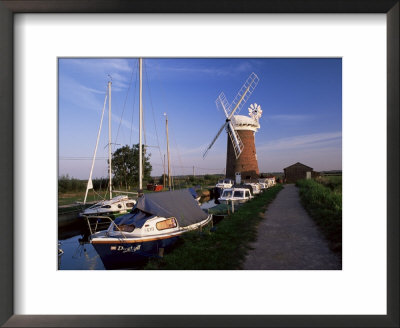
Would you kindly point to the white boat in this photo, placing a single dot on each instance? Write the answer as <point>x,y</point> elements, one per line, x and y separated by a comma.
<point>235,195</point>
<point>267,182</point>
<point>155,223</point>
<point>271,181</point>
<point>224,183</point>
<point>256,187</point>
<point>114,205</point>
<point>263,184</point>
<point>221,185</point>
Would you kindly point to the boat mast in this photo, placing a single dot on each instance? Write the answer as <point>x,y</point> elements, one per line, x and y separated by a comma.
<point>140,124</point>
<point>90,183</point>
<point>109,137</point>
<point>164,180</point>
<point>169,168</point>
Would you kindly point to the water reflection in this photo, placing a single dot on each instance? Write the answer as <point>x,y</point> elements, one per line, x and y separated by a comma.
<point>207,202</point>
<point>78,256</point>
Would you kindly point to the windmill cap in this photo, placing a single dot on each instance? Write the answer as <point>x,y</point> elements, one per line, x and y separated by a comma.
<point>242,122</point>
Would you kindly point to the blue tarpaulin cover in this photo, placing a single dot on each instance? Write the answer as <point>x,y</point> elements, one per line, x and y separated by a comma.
<point>193,192</point>
<point>178,203</point>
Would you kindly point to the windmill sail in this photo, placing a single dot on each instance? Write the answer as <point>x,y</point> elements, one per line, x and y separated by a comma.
<point>235,139</point>
<point>244,93</point>
<point>215,138</point>
<point>229,110</point>
<point>222,102</point>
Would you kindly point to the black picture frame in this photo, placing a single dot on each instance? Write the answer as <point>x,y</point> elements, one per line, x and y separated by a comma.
<point>7,11</point>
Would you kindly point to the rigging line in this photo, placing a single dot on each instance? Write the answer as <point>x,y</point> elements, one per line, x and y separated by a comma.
<point>162,91</point>
<point>177,149</point>
<point>152,109</point>
<point>123,108</point>
<point>134,100</point>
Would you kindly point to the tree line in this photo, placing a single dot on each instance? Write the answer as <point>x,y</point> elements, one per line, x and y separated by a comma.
<point>125,170</point>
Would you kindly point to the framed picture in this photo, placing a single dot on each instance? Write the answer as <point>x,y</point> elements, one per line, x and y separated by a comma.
<point>223,298</point>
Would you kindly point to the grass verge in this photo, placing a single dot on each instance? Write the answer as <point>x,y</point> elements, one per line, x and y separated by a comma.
<point>222,247</point>
<point>325,207</point>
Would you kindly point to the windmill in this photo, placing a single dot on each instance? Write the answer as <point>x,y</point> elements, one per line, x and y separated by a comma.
<point>241,153</point>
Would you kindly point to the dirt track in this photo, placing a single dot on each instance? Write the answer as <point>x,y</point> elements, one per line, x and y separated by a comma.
<point>288,239</point>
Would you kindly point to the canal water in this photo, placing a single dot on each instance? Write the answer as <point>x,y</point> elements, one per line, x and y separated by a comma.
<point>79,256</point>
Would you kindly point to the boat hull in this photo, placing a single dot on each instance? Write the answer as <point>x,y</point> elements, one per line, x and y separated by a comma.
<point>120,255</point>
<point>109,214</point>
<point>235,201</point>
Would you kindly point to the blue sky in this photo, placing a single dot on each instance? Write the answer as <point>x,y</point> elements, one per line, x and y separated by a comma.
<point>301,101</point>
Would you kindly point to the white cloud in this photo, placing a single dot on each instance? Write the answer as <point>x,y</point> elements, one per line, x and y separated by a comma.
<point>100,65</point>
<point>289,117</point>
<point>302,141</point>
<point>225,71</point>
<point>80,95</point>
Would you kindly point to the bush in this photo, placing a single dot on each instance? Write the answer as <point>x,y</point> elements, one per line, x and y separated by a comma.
<point>67,184</point>
<point>325,207</point>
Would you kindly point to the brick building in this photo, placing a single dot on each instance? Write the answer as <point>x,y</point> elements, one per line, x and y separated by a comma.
<point>247,163</point>
<point>298,171</point>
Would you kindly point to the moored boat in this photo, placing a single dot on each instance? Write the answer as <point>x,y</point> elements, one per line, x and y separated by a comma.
<point>155,223</point>
<point>224,183</point>
<point>221,185</point>
<point>114,206</point>
<point>256,187</point>
<point>235,195</point>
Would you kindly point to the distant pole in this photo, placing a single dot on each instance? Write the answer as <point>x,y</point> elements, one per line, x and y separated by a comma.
<point>164,182</point>
<point>169,167</point>
<point>109,137</point>
<point>140,124</point>
<point>193,171</point>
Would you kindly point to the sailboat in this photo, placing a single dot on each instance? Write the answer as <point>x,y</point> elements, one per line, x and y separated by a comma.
<point>154,224</point>
<point>114,205</point>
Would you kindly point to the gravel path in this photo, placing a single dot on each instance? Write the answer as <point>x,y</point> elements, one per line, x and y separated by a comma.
<point>288,239</point>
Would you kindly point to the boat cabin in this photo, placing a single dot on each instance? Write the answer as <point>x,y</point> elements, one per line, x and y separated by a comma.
<point>236,195</point>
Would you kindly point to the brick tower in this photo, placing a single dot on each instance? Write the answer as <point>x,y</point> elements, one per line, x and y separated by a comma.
<point>246,163</point>
<point>241,149</point>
